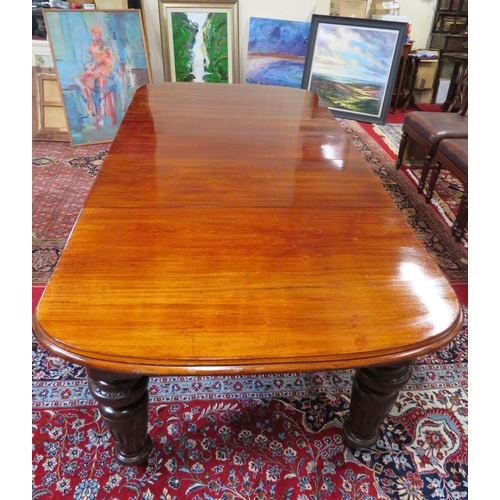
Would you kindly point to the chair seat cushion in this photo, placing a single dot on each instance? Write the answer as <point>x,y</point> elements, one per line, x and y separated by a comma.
<point>456,151</point>
<point>435,126</point>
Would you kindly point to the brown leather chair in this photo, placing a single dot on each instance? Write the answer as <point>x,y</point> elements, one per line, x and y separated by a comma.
<point>428,129</point>
<point>453,155</point>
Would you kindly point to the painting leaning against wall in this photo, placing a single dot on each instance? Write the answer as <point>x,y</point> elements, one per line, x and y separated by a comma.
<point>276,51</point>
<point>200,46</point>
<point>100,59</point>
<point>200,41</point>
<point>352,63</point>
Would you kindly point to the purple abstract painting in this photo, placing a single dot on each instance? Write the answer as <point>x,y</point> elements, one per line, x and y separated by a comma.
<point>276,51</point>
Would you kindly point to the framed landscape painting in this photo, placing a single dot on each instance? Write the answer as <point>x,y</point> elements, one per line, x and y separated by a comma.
<point>352,63</point>
<point>100,59</point>
<point>276,52</point>
<point>200,40</point>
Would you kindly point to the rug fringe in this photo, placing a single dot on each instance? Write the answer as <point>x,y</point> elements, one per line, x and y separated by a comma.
<point>377,130</point>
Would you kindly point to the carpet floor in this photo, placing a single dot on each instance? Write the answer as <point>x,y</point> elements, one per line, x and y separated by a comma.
<point>270,436</point>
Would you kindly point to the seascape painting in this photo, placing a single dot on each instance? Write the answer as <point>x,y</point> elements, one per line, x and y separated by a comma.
<point>199,41</point>
<point>276,52</point>
<point>100,60</point>
<point>352,63</point>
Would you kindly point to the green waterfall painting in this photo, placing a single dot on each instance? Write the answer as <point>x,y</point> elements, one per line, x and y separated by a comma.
<point>200,47</point>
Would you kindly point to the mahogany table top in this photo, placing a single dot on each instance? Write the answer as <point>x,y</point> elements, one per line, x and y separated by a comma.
<point>235,228</point>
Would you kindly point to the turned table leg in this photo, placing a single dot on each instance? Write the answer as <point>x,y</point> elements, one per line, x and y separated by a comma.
<point>123,403</point>
<point>374,392</point>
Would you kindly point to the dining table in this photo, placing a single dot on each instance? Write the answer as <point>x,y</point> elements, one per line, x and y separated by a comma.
<point>236,229</point>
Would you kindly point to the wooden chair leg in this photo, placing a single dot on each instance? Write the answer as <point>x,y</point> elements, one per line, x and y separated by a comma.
<point>432,182</point>
<point>402,147</point>
<point>425,172</point>
<point>460,222</point>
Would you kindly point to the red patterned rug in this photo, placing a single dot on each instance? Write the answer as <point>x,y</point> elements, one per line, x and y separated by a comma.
<point>273,436</point>
<point>62,176</point>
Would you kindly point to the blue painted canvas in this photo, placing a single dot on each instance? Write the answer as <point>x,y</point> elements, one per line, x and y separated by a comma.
<point>276,51</point>
<point>100,59</point>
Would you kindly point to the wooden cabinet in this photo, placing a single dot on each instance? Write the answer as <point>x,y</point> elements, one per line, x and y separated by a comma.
<point>451,17</point>
<point>48,119</point>
<point>449,32</point>
<point>449,43</point>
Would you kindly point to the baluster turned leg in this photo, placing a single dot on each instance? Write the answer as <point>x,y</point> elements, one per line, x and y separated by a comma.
<point>432,182</point>
<point>402,147</point>
<point>123,403</point>
<point>410,98</point>
<point>425,171</point>
<point>374,392</point>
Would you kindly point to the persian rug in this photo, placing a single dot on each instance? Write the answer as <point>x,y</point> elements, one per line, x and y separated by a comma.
<point>62,176</point>
<point>267,436</point>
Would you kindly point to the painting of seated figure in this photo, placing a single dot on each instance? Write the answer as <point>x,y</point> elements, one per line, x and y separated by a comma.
<point>100,59</point>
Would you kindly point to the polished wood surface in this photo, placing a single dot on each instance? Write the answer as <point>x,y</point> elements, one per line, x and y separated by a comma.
<point>235,228</point>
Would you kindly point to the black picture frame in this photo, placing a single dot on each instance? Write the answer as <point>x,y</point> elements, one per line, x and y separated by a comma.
<point>352,64</point>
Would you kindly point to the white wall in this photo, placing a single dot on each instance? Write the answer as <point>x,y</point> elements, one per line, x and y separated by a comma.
<point>151,12</point>
<point>420,14</point>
